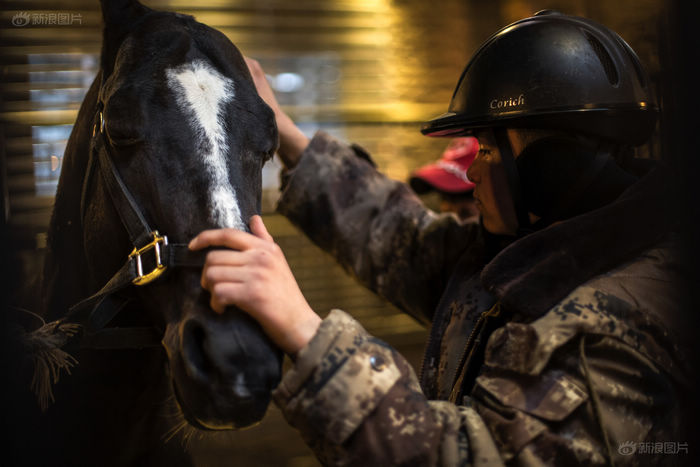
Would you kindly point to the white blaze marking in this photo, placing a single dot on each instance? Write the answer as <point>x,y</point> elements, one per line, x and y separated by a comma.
<point>202,93</point>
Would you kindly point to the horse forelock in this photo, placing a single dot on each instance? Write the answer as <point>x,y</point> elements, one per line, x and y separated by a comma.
<point>202,93</point>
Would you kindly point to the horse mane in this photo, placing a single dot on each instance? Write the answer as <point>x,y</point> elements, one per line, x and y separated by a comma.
<point>65,259</point>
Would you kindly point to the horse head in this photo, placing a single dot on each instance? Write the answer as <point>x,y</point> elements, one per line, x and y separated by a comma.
<point>179,117</point>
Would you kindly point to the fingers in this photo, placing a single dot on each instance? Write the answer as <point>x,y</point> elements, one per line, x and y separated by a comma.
<point>230,238</point>
<point>225,294</point>
<point>231,266</point>
<point>248,261</point>
<point>228,276</point>
<point>261,83</point>
<point>212,275</point>
<point>254,67</point>
<point>258,228</point>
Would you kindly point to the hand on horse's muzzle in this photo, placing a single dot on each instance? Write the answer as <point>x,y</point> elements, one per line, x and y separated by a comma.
<point>253,275</point>
<point>224,369</point>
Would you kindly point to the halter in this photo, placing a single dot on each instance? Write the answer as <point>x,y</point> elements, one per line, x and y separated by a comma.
<point>96,311</point>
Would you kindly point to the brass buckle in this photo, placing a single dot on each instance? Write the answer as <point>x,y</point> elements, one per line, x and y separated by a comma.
<point>102,125</point>
<point>141,278</point>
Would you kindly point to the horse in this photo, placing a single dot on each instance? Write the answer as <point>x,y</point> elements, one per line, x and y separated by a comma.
<point>169,140</point>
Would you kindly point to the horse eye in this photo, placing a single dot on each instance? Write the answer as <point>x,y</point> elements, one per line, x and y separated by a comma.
<point>123,140</point>
<point>123,127</point>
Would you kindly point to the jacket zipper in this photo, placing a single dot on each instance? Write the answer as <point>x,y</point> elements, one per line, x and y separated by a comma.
<point>494,311</point>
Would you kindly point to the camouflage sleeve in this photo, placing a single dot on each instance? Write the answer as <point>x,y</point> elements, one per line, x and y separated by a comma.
<point>356,401</point>
<point>375,227</point>
<point>576,387</point>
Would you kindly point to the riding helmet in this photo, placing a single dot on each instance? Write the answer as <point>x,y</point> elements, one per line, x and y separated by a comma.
<point>553,71</point>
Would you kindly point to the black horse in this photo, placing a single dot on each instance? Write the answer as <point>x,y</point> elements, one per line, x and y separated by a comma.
<point>170,140</point>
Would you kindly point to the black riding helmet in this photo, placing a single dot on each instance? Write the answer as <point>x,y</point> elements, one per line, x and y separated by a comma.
<point>553,72</point>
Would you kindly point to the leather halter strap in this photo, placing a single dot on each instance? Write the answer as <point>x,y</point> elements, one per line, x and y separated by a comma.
<point>132,218</point>
<point>96,311</point>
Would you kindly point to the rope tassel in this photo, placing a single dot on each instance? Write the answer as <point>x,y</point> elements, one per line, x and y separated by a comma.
<point>44,345</point>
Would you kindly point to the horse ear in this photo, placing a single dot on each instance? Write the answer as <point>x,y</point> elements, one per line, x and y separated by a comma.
<point>119,17</point>
<point>120,14</point>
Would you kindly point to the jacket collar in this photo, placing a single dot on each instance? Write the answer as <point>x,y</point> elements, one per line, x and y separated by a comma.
<point>534,273</point>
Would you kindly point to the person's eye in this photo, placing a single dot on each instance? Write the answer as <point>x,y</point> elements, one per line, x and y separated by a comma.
<point>484,151</point>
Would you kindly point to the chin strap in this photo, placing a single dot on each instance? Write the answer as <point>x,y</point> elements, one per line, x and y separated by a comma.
<point>516,192</point>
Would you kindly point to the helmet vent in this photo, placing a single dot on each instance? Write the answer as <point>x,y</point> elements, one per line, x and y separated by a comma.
<point>605,60</point>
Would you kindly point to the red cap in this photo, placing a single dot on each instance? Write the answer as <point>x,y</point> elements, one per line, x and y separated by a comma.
<point>449,174</point>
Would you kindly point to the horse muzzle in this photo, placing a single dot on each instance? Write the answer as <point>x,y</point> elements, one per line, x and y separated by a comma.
<point>224,369</point>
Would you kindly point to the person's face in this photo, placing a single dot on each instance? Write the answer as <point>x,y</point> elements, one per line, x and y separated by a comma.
<point>491,192</point>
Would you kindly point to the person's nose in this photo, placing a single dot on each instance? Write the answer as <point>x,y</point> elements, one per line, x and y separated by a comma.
<point>473,172</point>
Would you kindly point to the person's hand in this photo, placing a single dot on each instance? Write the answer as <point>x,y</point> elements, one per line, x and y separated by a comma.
<point>292,140</point>
<point>262,85</point>
<point>255,277</point>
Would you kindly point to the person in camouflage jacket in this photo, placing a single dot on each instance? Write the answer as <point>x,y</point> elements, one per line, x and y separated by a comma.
<point>562,345</point>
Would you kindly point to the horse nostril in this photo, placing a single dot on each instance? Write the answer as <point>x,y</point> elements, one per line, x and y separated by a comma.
<point>197,360</point>
<point>213,354</point>
<point>224,368</point>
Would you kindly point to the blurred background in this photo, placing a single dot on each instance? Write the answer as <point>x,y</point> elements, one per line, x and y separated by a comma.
<point>367,71</point>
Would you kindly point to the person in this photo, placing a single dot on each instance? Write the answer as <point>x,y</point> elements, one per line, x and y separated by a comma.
<point>448,178</point>
<point>556,327</point>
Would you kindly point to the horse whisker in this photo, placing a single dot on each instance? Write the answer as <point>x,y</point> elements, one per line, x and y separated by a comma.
<point>174,431</point>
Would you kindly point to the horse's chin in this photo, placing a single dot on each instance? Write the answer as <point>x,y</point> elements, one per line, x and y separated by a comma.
<point>240,420</point>
<point>223,369</point>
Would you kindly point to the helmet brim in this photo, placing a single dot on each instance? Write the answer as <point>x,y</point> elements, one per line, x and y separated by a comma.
<point>596,121</point>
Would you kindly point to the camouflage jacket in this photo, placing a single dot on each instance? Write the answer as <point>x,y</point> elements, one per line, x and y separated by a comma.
<point>559,351</point>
